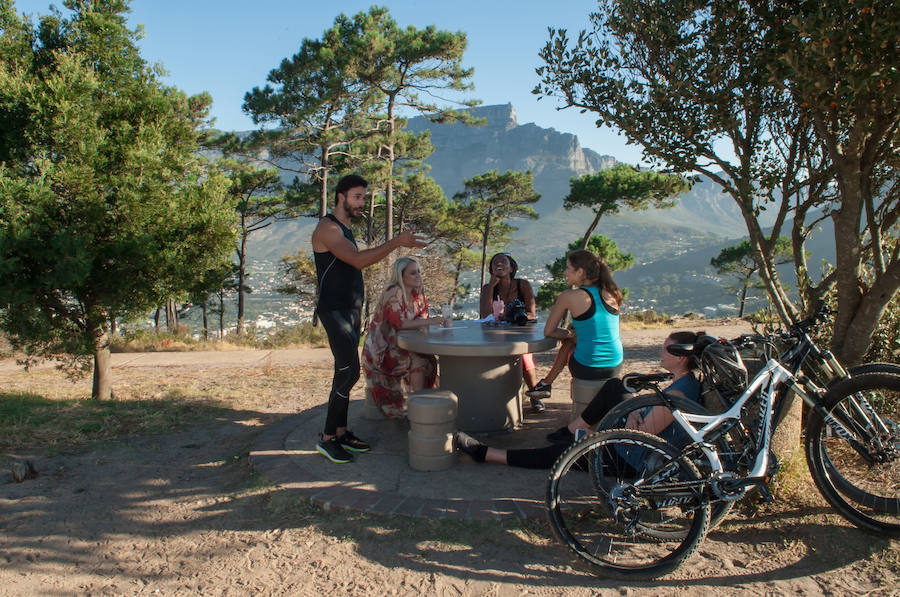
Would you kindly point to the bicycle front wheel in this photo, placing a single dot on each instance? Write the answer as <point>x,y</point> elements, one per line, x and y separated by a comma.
<point>859,474</point>
<point>628,503</point>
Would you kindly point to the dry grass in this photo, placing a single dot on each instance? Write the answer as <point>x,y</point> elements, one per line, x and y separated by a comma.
<point>44,409</point>
<point>181,340</point>
<point>651,320</point>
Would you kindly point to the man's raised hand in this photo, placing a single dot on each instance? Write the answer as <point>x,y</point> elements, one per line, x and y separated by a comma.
<point>408,238</point>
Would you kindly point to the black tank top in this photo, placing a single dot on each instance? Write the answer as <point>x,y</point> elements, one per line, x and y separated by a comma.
<point>340,284</point>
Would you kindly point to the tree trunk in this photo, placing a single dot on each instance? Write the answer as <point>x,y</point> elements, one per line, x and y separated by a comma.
<point>205,321</point>
<point>851,346</point>
<point>590,230</point>
<point>102,386</point>
<point>456,274</point>
<point>156,320</point>
<point>242,273</point>
<point>484,243</point>
<point>743,301</point>
<point>370,225</point>
<point>171,322</point>
<point>323,182</point>
<point>389,188</point>
<point>221,315</point>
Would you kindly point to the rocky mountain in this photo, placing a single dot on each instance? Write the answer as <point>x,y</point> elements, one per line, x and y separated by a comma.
<point>554,158</point>
<point>503,144</point>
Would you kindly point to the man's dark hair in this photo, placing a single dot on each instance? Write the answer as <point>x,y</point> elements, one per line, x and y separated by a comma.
<point>348,182</point>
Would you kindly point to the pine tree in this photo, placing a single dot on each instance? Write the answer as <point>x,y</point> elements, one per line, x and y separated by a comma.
<point>104,205</point>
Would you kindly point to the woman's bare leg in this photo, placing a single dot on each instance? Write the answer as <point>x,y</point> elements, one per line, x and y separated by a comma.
<point>495,455</point>
<point>560,361</point>
<point>416,380</point>
<point>530,377</point>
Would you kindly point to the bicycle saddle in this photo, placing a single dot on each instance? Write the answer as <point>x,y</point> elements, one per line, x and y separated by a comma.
<point>691,350</point>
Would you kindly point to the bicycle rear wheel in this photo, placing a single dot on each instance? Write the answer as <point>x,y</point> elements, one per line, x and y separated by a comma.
<point>862,485</point>
<point>728,450</point>
<point>628,504</point>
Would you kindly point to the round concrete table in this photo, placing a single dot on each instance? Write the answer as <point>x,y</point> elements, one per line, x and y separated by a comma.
<point>482,365</point>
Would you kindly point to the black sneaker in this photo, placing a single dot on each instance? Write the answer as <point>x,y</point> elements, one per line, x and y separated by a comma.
<point>561,436</point>
<point>469,445</point>
<point>537,405</point>
<point>352,443</point>
<point>540,390</point>
<point>333,451</point>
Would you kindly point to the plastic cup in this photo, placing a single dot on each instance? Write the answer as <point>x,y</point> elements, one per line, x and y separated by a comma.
<point>498,310</point>
<point>447,315</point>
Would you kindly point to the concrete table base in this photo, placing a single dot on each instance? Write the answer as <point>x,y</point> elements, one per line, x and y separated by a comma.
<point>482,365</point>
<point>492,386</point>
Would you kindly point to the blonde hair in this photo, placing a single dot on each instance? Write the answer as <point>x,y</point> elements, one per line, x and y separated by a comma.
<point>396,279</point>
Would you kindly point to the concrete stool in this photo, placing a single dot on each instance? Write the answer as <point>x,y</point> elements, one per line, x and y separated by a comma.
<point>432,420</point>
<point>583,391</point>
<point>371,412</point>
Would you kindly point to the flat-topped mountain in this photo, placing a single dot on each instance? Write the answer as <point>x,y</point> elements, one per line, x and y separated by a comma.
<point>461,152</point>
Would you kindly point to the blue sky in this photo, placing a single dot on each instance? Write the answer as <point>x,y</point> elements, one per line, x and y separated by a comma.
<point>227,47</point>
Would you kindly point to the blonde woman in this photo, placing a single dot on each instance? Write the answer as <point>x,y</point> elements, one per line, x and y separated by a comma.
<point>393,373</point>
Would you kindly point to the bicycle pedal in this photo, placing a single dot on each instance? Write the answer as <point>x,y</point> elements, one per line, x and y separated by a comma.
<point>765,496</point>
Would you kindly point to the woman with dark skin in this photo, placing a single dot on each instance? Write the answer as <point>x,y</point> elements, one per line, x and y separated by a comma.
<point>505,286</point>
<point>593,301</point>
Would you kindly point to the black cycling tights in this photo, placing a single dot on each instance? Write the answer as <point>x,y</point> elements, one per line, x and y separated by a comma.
<point>343,330</point>
<point>611,394</point>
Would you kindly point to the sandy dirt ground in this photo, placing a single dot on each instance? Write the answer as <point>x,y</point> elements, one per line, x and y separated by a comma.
<point>182,513</point>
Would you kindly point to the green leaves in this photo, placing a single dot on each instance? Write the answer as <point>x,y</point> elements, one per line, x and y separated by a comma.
<point>106,208</point>
<point>599,245</point>
<point>488,200</point>
<point>607,191</point>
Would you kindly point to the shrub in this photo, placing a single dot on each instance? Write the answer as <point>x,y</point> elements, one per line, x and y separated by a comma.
<point>303,334</point>
<point>648,318</point>
<point>148,340</point>
<point>886,339</point>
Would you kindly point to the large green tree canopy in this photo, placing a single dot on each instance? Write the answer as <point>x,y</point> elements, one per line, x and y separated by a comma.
<point>792,107</point>
<point>105,207</point>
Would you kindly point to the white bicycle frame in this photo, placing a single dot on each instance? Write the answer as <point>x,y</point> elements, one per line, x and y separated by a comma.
<point>767,381</point>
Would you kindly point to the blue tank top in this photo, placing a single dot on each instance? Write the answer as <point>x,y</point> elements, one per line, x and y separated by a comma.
<point>597,336</point>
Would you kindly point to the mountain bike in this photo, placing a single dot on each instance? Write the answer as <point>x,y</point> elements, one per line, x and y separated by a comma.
<point>644,504</point>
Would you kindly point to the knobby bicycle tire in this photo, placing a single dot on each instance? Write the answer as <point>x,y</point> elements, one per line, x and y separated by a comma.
<point>614,496</point>
<point>865,491</point>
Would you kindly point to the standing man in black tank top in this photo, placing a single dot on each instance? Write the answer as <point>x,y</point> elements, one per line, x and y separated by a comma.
<point>338,268</point>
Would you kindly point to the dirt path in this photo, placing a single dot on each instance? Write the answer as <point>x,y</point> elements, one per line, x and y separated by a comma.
<point>181,513</point>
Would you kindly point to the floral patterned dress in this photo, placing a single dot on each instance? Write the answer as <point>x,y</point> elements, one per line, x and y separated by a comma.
<point>387,367</point>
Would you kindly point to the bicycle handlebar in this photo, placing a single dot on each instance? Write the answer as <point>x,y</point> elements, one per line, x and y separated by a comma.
<point>819,313</point>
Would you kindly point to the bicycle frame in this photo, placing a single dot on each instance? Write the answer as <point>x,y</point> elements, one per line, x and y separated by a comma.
<point>767,381</point>
<point>703,428</point>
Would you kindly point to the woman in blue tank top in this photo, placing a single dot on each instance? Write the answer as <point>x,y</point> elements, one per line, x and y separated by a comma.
<point>594,306</point>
